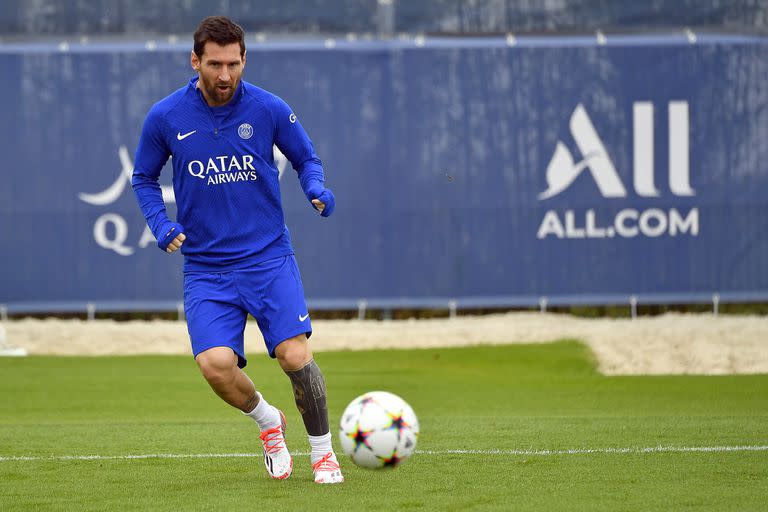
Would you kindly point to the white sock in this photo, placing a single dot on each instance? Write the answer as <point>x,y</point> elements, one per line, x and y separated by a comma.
<point>267,416</point>
<point>321,445</point>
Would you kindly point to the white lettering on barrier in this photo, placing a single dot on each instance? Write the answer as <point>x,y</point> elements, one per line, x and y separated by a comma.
<point>116,243</point>
<point>689,224</point>
<point>653,223</point>
<point>147,238</point>
<point>627,223</point>
<point>563,170</point>
<point>621,223</point>
<point>113,223</point>
<point>592,230</point>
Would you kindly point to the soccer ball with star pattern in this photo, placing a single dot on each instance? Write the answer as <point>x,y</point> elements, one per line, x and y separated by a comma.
<point>379,430</point>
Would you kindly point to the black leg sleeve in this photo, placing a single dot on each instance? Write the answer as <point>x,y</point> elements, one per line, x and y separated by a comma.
<point>309,392</point>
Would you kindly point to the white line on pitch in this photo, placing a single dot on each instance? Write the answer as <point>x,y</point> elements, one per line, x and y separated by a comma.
<point>587,451</point>
<point>533,453</point>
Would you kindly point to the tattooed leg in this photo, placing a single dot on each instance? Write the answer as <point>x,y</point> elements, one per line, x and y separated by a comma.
<point>309,392</point>
<point>251,403</point>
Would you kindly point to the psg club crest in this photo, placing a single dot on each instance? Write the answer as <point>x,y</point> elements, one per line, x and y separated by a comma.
<point>245,131</point>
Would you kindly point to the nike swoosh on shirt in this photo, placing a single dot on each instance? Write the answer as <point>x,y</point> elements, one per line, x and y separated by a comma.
<point>302,318</point>
<point>179,136</point>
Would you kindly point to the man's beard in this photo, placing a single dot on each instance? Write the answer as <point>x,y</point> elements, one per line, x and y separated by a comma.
<point>221,96</point>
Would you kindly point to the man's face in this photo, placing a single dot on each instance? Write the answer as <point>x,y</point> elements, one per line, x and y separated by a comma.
<point>220,69</point>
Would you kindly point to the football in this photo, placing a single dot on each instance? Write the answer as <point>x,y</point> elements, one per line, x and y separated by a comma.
<point>379,430</point>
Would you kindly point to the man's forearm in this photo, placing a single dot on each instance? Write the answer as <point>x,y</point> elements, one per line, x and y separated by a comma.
<point>311,178</point>
<point>150,199</point>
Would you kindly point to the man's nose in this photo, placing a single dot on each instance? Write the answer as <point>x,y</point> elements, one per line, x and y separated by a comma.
<point>224,75</point>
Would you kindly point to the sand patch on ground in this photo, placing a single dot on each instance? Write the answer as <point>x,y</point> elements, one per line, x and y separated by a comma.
<point>668,344</point>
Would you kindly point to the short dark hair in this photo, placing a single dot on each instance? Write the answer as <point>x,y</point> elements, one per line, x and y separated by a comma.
<point>220,30</point>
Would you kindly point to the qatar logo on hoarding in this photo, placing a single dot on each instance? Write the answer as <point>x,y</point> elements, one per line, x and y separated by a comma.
<point>111,231</point>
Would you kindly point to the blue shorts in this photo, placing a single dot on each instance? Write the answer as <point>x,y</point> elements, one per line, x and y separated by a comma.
<point>217,304</point>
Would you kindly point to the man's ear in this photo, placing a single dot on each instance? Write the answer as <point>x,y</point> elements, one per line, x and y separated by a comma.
<point>194,61</point>
<point>245,54</point>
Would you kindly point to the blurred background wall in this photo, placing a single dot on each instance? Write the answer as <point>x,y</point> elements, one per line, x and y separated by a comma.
<point>491,153</point>
<point>141,17</point>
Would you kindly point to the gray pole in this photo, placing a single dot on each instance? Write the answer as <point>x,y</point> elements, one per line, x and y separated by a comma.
<point>385,18</point>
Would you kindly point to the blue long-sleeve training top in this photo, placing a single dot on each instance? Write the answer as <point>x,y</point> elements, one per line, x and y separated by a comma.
<point>224,174</point>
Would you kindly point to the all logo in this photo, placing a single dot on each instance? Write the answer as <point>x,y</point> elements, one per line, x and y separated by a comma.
<point>563,169</point>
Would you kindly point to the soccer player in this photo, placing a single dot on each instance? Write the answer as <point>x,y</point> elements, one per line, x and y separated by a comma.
<point>238,257</point>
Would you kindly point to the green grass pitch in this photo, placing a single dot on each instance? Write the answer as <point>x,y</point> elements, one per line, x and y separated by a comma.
<point>505,399</point>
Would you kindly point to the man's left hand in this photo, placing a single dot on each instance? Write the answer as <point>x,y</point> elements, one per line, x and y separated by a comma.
<point>325,203</point>
<point>319,205</point>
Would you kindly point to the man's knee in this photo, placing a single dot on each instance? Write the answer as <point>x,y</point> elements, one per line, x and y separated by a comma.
<point>293,353</point>
<point>217,364</point>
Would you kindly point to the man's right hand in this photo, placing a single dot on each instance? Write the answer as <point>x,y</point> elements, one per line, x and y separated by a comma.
<point>173,239</point>
<point>175,244</point>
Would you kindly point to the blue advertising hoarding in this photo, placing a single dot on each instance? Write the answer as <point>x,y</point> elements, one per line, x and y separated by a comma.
<point>477,169</point>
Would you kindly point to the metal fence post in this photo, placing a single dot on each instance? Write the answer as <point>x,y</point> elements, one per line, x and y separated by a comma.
<point>601,40</point>
<point>362,305</point>
<point>633,306</point>
<point>690,35</point>
<point>452,306</point>
<point>385,17</point>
